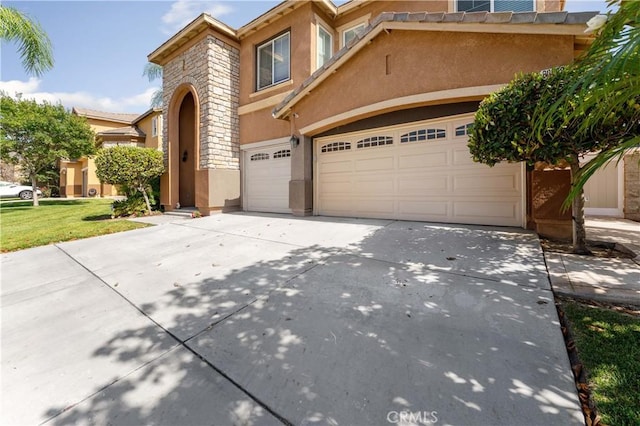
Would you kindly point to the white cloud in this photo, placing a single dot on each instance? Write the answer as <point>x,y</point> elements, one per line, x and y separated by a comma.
<point>29,90</point>
<point>184,11</point>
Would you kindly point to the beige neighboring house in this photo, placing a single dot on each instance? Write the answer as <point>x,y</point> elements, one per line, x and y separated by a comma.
<point>78,176</point>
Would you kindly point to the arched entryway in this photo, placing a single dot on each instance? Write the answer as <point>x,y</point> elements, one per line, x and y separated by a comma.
<point>187,151</point>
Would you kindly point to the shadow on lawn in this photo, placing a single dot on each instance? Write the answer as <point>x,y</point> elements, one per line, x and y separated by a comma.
<point>23,204</point>
<point>326,335</point>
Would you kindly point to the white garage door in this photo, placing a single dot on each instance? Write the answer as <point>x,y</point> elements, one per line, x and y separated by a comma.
<point>421,171</point>
<point>267,175</point>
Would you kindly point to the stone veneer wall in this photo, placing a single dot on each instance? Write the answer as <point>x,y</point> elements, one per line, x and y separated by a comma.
<point>213,68</point>
<point>632,186</point>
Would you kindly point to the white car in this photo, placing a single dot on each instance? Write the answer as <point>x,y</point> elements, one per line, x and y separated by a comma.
<point>8,189</point>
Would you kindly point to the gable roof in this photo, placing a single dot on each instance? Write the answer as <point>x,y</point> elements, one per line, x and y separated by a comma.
<point>106,116</point>
<point>124,131</point>
<point>561,23</point>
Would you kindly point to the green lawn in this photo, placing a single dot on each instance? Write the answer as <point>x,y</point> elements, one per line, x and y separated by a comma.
<point>608,344</point>
<point>23,226</point>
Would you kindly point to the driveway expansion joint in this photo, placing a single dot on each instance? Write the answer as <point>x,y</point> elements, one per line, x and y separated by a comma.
<point>180,343</point>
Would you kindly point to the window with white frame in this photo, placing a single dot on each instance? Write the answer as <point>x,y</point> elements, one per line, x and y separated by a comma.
<point>274,61</point>
<point>495,5</point>
<point>351,33</point>
<point>154,127</point>
<point>325,46</point>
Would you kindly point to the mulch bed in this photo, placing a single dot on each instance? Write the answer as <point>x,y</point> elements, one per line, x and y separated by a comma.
<point>599,249</point>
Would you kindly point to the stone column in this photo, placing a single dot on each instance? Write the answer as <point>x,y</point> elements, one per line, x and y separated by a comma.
<point>632,186</point>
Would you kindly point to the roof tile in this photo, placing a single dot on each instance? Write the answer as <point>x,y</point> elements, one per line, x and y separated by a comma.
<point>434,17</point>
<point>523,17</point>
<point>453,17</point>
<point>475,17</point>
<point>551,17</point>
<point>499,17</point>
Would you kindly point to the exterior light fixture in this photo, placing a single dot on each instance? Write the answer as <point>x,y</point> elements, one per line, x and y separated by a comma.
<point>294,141</point>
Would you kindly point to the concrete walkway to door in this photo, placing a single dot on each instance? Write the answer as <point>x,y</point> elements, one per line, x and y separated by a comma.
<point>266,319</point>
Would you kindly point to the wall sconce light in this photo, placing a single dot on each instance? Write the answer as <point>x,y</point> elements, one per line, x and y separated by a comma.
<point>294,141</point>
<point>63,171</point>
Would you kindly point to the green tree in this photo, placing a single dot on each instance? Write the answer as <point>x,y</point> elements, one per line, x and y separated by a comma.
<point>154,72</point>
<point>504,131</point>
<point>35,136</point>
<point>33,43</point>
<point>131,167</point>
<point>607,82</point>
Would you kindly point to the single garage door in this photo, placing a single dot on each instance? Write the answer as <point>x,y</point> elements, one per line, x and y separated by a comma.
<point>267,175</point>
<point>421,171</point>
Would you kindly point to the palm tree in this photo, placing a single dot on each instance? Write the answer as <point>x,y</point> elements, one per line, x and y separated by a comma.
<point>609,83</point>
<point>153,72</point>
<point>34,44</point>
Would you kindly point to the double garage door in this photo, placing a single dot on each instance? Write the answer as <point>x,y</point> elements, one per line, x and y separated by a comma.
<point>421,171</point>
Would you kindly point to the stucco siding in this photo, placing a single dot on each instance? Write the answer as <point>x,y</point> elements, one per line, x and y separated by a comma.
<point>404,63</point>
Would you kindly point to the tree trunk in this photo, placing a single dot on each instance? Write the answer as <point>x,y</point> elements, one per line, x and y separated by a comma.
<point>146,199</point>
<point>577,214</point>
<point>36,203</point>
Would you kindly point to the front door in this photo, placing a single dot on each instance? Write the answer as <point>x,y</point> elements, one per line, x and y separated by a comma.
<point>187,152</point>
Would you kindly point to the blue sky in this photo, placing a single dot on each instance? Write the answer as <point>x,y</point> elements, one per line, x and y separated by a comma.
<point>100,47</point>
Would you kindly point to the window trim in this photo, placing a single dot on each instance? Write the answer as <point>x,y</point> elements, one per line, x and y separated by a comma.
<point>271,42</point>
<point>345,31</point>
<point>363,20</point>
<point>154,127</point>
<point>321,27</point>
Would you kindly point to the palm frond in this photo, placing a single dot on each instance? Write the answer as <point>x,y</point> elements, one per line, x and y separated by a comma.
<point>152,71</point>
<point>34,45</point>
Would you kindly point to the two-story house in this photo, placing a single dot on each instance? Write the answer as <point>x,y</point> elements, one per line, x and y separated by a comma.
<point>357,110</point>
<point>78,176</point>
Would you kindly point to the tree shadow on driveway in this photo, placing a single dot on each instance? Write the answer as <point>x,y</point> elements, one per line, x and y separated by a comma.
<point>384,330</point>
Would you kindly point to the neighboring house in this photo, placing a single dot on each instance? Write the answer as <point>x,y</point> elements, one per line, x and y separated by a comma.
<point>353,110</point>
<point>78,176</point>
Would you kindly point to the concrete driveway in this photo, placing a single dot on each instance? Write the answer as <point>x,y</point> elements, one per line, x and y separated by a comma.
<point>266,319</point>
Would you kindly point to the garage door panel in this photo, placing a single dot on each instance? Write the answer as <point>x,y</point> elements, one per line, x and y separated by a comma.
<point>421,160</point>
<point>336,187</point>
<point>366,208</point>
<point>337,166</point>
<point>431,209</point>
<point>374,164</point>
<point>462,157</point>
<point>420,185</point>
<point>423,179</point>
<point>379,187</point>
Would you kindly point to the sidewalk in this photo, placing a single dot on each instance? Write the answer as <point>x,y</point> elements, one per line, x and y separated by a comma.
<point>609,280</point>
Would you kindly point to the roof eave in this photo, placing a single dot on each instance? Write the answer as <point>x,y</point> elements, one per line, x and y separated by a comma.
<point>190,31</point>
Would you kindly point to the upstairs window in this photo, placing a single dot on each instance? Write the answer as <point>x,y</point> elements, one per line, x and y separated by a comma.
<point>351,33</point>
<point>325,46</point>
<point>274,61</point>
<point>495,5</point>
